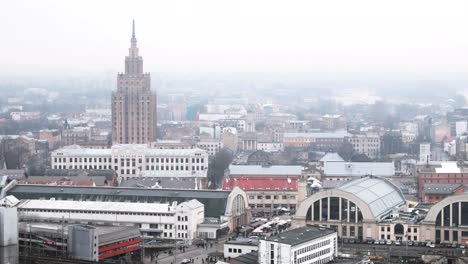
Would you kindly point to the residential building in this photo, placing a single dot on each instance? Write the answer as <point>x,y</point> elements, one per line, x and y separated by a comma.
<point>212,146</point>
<point>366,144</point>
<point>133,104</point>
<point>325,141</point>
<point>308,244</point>
<point>436,192</point>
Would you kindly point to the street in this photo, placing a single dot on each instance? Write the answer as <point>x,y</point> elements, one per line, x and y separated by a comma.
<point>191,252</point>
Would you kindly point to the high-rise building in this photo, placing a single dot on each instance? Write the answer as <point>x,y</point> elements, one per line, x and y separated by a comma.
<point>133,104</point>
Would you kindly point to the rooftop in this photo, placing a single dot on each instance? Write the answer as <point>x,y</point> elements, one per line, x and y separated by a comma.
<point>215,202</point>
<point>266,185</point>
<point>93,206</point>
<point>243,241</point>
<point>353,169</point>
<point>144,149</point>
<point>331,156</point>
<point>378,193</point>
<point>249,258</point>
<point>336,134</point>
<point>436,188</point>
<point>301,235</point>
<point>264,170</point>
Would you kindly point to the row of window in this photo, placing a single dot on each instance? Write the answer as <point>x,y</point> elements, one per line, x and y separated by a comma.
<point>313,246</point>
<point>171,168</point>
<point>235,250</point>
<point>122,161</point>
<point>275,197</point>
<point>93,212</point>
<point>272,205</point>
<point>314,255</point>
<point>415,230</point>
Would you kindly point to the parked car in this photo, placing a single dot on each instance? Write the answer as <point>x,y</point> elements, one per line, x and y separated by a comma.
<point>376,242</point>
<point>370,242</point>
<point>382,242</point>
<point>454,245</point>
<point>345,240</point>
<point>410,243</point>
<point>397,243</point>
<point>389,242</point>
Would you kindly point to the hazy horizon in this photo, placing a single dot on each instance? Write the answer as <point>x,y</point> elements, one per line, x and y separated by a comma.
<point>416,38</point>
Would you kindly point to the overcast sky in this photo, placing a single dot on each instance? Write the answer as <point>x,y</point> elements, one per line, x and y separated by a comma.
<point>86,36</point>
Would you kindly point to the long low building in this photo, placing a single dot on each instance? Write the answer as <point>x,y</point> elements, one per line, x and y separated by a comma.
<point>228,206</point>
<point>134,160</point>
<point>83,242</point>
<point>176,221</point>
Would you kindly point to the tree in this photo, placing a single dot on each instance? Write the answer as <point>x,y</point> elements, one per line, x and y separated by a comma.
<point>346,151</point>
<point>13,152</point>
<point>217,165</point>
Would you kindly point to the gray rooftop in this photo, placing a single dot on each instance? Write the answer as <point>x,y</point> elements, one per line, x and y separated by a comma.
<point>264,170</point>
<point>214,201</point>
<point>353,169</point>
<point>161,182</point>
<point>249,258</point>
<point>436,188</point>
<point>301,235</point>
<point>331,156</point>
<point>336,134</point>
<point>378,193</point>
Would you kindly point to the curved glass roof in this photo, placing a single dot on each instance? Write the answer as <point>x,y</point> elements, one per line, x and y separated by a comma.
<point>381,195</point>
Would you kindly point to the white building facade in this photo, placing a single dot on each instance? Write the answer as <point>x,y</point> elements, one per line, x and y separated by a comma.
<point>309,245</point>
<point>134,160</point>
<point>176,221</point>
<point>212,146</point>
<point>366,144</point>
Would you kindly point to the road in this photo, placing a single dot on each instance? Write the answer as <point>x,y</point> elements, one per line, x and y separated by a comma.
<point>410,251</point>
<point>193,252</point>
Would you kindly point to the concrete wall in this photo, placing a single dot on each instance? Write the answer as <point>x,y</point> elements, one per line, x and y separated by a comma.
<point>8,226</point>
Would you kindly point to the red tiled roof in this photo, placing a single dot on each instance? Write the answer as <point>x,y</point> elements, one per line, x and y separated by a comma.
<point>257,184</point>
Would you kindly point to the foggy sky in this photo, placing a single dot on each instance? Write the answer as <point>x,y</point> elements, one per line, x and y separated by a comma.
<point>86,36</point>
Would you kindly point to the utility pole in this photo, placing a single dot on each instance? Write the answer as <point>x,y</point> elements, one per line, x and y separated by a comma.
<point>175,242</point>
<point>63,238</point>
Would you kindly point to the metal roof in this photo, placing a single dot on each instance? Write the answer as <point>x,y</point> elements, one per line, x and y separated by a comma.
<point>336,134</point>
<point>301,235</point>
<point>341,168</point>
<point>95,206</point>
<point>436,188</point>
<point>379,194</point>
<point>131,148</point>
<point>264,170</point>
<point>331,156</point>
<point>215,202</point>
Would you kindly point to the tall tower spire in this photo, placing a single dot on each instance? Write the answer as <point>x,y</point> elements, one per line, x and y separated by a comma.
<point>133,40</point>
